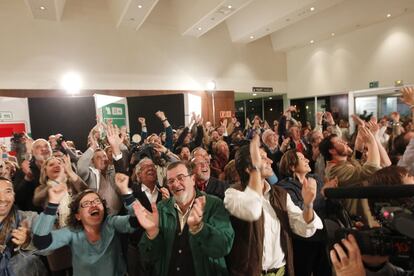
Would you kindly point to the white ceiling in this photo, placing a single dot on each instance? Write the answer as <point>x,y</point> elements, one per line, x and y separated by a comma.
<point>289,23</point>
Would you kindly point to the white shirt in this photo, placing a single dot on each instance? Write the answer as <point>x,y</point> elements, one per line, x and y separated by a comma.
<point>152,196</point>
<point>97,173</point>
<point>248,205</point>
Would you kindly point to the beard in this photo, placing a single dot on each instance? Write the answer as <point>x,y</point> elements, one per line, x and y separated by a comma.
<point>41,157</point>
<point>184,197</point>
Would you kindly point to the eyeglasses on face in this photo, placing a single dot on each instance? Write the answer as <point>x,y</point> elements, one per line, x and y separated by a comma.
<point>179,177</point>
<point>89,203</point>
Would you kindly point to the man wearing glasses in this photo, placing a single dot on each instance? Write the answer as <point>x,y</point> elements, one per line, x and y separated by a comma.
<point>188,234</point>
<point>203,179</point>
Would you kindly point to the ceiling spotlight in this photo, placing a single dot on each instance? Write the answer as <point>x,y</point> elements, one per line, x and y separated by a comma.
<point>211,85</point>
<point>252,36</point>
<point>71,82</point>
<point>312,9</point>
<point>332,34</point>
<point>42,8</point>
<point>139,6</point>
<point>388,15</point>
<point>271,109</point>
<point>199,28</point>
<point>312,41</point>
<point>229,7</point>
<point>270,98</point>
<point>254,94</point>
<point>250,101</point>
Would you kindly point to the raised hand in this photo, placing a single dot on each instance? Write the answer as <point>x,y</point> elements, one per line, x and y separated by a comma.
<point>358,121</point>
<point>319,117</point>
<point>199,120</point>
<point>255,152</point>
<point>309,190</point>
<point>27,170</point>
<point>121,181</point>
<point>21,235</point>
<point>123,133</point>
<point>329,118</point>
<point>349,262</point>
<point>248,124</point>
<point>160,148</point>
<point>149,221</point>
<point>160,114</point>
<point>28,142</point>
<point>373,125</point>
<point>196,214</point>
<point>57,192</point>
<point>113,135</point>
<point>93,141</point>
<point>266,125</point>
<point>165,193</point>
<point>365,135</point>
<point>408,95</point>
<point>224,123</point>
<point>141,120</point>
<point>285,144</point>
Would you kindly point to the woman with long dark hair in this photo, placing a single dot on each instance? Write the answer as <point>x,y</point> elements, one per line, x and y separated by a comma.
<point>310,254</point>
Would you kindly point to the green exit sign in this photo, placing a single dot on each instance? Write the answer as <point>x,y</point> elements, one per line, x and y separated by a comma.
<point>374,84</point>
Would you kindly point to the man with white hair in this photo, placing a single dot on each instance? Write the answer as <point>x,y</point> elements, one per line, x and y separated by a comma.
<point>30,169</point>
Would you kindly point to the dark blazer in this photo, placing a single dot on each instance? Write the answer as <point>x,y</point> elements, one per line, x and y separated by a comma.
<point>216,187</point>
<point>137,192</point>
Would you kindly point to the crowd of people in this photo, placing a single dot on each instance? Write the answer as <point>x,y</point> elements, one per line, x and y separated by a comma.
<point>201,199</point>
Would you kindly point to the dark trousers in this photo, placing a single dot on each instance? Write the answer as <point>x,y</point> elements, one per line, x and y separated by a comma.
<point>311,258</point>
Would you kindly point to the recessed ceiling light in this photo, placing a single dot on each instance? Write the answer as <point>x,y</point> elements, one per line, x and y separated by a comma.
<point>254,94</point>
<point>251,101</point>
<point>271,109</point>
<point>252,36</point>
<point>270,98</point>
<point>42,8</point>
<point>312,9</point>
<point>312,41</point>
<point>229,7</point>
<point>199,28</point>
<point>332,34</point>
<point>139,6</point>
<point>388,15</point>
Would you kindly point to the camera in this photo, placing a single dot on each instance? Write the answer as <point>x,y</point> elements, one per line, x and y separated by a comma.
<point>144,150</point>
<point>395,237</point>
<point>389,240</point>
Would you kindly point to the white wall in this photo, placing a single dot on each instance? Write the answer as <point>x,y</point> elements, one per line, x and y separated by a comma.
<point>35,53</point>
<point>383,52</point>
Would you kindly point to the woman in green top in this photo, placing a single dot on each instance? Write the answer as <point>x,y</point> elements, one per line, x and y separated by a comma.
<point>91,234</point>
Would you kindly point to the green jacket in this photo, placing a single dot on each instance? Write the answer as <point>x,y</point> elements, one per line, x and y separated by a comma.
<point>209,246</point>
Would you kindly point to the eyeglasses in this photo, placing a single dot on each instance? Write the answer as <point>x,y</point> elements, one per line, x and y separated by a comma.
<point>202,163</point>
<point>89,203</point>
<point>179,177</point>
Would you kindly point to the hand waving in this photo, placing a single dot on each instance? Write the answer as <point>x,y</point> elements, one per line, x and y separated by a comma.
<point>149,221</point>
<point>121,181</point>
<point>308,190</point>
<point>196,213</point>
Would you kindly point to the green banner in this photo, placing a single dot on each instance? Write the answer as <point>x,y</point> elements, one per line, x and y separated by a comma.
<point>115,112</point>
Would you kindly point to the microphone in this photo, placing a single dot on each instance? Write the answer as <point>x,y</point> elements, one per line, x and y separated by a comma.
<point>396,191</point>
